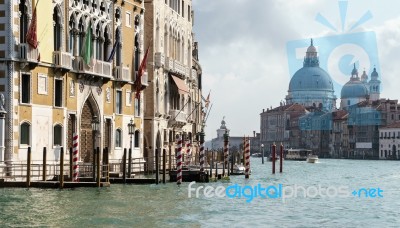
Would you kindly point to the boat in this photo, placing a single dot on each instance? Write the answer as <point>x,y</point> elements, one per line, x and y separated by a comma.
<point>238,169</point>
<point>276,158</point>
<point>312,158</point>
<point>297,154</point>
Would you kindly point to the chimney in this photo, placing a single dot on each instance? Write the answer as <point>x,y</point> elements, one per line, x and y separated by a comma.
<point>254,134</point>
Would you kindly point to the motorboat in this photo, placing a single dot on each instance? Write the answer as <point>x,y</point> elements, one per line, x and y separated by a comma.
<point>238,169</point>
<point>312,158</point>
<point>270,158</point>
<point>297,154</point>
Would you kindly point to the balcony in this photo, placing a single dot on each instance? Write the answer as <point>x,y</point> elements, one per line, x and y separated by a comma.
<point>193,74</point>
<point>179,68</point>
<point>145,79</point>
<point>62,60</point>
<point>169,63</point>
<point>28,54</point>
<point>122,74</point>
<point>178,118</point>
<point>99,68</point>
<point>159,59</point>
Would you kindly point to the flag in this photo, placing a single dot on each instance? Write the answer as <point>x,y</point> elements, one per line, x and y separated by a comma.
<point>142,68</point>
<point>87,49</point>
<point>31,35</point>
<point>114,49</point>
<point>207,101</point>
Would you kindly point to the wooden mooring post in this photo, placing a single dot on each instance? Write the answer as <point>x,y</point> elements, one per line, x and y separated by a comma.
<point>44,164</point>
<point>273,158</point>
<point>28,168</point>
<point>164,164</point>
<point>130,163</point>
<point>157,165</point>
<point>98,167</point>
<point>94,164</point>
<point>281,159</point>
<point>124,166</point>
<point>62,167</point>
<point>71,171</point>
<point>107,163</point>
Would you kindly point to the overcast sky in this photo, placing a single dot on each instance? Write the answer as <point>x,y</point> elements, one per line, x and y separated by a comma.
<point>244,56</point>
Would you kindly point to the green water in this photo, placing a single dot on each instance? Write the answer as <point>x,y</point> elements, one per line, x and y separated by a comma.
<point>169,205</point>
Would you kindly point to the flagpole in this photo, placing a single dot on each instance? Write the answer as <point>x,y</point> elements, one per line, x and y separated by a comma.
<point>197,105</point>
<point>208,114</point>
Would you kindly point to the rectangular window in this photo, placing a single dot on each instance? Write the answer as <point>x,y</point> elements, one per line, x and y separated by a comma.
<point>57,135</point>
<point>25,134</point>
<point>137,107</point>
<point>25,88</point>
<point>58,91</point>
<point>188,13</point>
<point>183,8</point>
<point>118,138</point>
<point>128,19</point>
<point>118,102</point>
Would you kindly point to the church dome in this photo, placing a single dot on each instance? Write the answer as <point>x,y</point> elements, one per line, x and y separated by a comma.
<point>311,78</point>
<point>354,88</point>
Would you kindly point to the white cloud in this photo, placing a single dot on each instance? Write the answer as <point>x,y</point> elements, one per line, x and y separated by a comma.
<point>242,50</point>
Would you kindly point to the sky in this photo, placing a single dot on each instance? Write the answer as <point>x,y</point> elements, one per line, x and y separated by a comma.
<point>247,59</point>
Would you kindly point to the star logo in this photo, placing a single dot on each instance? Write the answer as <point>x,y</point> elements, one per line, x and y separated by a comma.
<point>354,193</point>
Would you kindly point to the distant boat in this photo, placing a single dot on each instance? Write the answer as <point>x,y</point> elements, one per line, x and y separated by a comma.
<point>270,158</point>
<point>312,158</point>
<point>257,155</point>
<point>297,154</point>
<point>238,169</point>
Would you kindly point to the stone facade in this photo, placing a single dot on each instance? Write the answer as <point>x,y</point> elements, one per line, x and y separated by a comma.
<point>52,92</point>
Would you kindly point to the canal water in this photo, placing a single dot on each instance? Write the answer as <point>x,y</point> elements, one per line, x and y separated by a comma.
<point>169,205</point>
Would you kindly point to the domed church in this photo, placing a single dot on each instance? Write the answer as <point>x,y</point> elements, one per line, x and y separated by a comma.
<point>312,85</point>
<point>357,90</point>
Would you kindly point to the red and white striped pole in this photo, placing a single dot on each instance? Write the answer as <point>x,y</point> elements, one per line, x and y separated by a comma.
<point>179,160</point>
<point>226,150</point>
<point>188,152</point>
<point>201,155</point>
<point>247,156</point>
<point>75,158</point>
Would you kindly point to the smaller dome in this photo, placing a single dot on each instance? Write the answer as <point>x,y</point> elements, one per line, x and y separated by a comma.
<point>354,89</point>
<point>374,74</point>
<point>364,76</point>
<point>311,48</point>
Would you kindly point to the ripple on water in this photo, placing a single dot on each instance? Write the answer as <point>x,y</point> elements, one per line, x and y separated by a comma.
<point>169,205</point>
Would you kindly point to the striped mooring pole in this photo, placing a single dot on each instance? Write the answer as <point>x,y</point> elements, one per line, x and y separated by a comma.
<point>226,150</point>
<point>75,158</point>
<point>247,157</point>
<point>201,155</point>
<point>188,152</point>
<point>179,160</point>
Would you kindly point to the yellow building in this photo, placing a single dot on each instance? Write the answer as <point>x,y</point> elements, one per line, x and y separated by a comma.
<point>52,91</point>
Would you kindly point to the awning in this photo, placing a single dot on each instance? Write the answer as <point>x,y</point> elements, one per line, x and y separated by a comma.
<point>182,87</point>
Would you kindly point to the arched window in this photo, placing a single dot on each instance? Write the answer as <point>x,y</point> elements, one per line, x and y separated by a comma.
<point>118,48</point>
<point>157,97</point>
<point>118,138</point>
<point>57,29</point>
<point>99,43</point>
<point>137,138</point>
<point>23,21</point>
<point>71,35</point>
<point>106,44</point>
<point>25,134</point>
<point>165,99</point>
<point>57,135</point>
<point>81,28</point>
